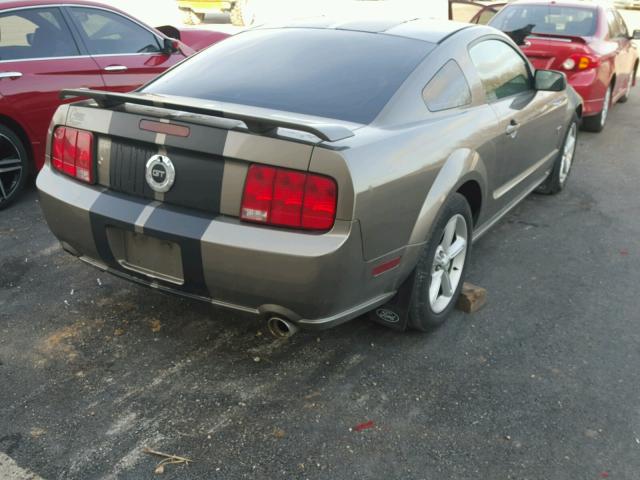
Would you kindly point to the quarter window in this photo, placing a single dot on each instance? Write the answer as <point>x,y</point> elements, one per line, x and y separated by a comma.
<point>447,89</point>
<point>107,33</point>
<point>35,33</point>
<point>503,72</point>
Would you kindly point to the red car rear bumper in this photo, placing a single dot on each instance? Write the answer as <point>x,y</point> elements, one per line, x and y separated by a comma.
<point>591,88</point>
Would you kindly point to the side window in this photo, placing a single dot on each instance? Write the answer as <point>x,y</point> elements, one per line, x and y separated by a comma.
<point>447,89</point>
<point>503,72</point>
<point>35,33</point>
<point>107,33</point>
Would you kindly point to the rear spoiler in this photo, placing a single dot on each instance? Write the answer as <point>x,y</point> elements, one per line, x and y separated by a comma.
<point>255,123</point>
<point>571,38</point>
<point>520,35</point>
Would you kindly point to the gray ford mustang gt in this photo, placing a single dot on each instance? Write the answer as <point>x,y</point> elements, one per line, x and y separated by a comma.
<point>312,172</point>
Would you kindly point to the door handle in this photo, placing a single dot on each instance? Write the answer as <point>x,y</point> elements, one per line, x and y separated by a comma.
<point>11,75</point>
<point>115,68</point>
<point>512,129</point>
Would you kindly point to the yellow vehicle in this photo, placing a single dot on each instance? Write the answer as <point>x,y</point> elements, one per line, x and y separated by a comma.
<point>194,11</point>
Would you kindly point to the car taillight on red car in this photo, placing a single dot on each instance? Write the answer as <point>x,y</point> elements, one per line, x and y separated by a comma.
<point>289,198</point>
<point>580,62</point>
<point>72,153</point>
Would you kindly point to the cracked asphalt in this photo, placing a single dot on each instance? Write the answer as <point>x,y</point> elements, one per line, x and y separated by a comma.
<point>544,382</point>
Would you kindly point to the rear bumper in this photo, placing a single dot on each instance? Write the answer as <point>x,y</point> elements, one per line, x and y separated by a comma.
<point>591,89</point>
<point>316,281</point>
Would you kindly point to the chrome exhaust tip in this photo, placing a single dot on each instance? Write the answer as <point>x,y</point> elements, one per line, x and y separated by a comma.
<point>281,328</point>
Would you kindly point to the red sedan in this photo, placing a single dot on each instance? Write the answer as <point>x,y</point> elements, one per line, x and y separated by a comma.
<point>47,46</point>
<point>588,41</point>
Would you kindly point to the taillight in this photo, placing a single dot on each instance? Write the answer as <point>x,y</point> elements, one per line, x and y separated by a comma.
<point>319,208</point>
<point>72,153</point>
<point>289,198</point>
<point>580,62</point>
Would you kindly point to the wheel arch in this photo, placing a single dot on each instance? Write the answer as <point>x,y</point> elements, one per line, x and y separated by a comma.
<point>472,192</point>
<point>463,172</point>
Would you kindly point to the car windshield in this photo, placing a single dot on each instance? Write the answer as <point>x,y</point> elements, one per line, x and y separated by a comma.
<point>550,19</point>
<point>338,74</point>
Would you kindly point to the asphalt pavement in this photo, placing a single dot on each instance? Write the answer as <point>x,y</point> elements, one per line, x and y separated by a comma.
<point>543,383</point>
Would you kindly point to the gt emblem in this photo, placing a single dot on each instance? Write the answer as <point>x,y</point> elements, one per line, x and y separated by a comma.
<point>160,173</point>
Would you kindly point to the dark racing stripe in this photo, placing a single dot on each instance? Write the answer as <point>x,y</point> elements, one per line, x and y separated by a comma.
<point>187,231</point>
<point>184,228</point>
<point>112,210</point>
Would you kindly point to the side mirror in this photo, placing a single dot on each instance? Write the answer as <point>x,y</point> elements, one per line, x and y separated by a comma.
<point>170,46</point>
<point>550,81</point>
<point>636,35</point>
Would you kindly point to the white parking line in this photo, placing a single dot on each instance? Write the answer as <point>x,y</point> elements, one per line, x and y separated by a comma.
<point>9,470</point>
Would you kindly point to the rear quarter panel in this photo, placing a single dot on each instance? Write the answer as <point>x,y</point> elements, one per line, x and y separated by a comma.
<point>401,178</point>
<point>395,161</point>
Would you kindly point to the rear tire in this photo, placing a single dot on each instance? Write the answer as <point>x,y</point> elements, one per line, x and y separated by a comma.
<point>559,175</point>
<point>439,274</point>
<point>242,15</point>
<point>596,123</point>
<point>14,166</point>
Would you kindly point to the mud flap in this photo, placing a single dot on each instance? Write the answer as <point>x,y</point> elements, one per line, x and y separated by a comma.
<point>395,313</point>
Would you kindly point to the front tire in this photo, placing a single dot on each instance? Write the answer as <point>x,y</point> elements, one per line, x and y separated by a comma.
<point>14,166</point>
<point>439,275</point>
<point>557,179</point>
<point>597,122</point>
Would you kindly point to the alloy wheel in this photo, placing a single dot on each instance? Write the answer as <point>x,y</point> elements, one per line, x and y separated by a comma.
<point>568,152</point>
<point>11,168</point>
<point>448,262</point>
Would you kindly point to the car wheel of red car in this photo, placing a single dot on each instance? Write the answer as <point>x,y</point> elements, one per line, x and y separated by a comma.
<point>14,166</point>
<point>597,122</point>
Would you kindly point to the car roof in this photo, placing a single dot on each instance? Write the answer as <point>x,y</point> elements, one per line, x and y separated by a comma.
<point>427,30</point>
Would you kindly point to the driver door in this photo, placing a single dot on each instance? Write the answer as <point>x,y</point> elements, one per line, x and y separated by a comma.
<point>531,122</point>
<point>128,54</point>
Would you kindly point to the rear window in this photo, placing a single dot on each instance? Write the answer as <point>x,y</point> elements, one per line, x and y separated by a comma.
<point>552,19</point>
<point>337,74</point>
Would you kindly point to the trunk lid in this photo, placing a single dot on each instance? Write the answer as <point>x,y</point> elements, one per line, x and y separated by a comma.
<point>209,150</point>
<point>548,52</point>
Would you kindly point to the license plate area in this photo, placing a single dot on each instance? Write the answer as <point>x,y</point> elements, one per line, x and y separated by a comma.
<point>150,256</point>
